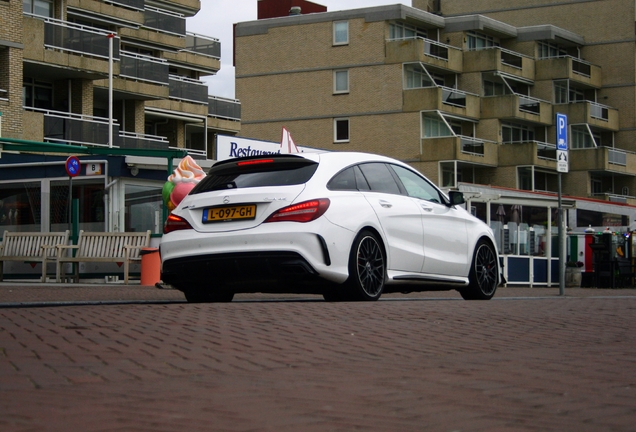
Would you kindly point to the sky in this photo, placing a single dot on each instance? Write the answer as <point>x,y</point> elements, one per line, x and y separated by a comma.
<point>217,17</point>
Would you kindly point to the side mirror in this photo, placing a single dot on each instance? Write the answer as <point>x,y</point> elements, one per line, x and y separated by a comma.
<point>456,198</point>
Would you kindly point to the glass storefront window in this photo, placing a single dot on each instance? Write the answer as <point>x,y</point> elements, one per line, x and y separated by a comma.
<point>91,206</point>
<point>144,208</point>
<point>20,207</point>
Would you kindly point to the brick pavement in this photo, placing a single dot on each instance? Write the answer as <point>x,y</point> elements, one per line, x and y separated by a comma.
<point>528,360</point>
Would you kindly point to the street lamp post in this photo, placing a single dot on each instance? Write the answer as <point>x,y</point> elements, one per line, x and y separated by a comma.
<point>110,37</point>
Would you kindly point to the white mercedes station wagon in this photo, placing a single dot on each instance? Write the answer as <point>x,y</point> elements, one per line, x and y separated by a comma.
<point>349,226</point>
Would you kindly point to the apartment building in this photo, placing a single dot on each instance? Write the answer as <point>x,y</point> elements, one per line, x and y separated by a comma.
<point>466,91</point>
<point>467,94</point>
<point>117,83</point>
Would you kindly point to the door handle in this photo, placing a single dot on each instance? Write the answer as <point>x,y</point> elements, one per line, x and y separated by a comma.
<point>427,209</point>
<point>385,204</point>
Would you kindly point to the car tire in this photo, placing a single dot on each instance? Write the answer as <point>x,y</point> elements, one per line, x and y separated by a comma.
<point>367,268</point>
<point>207,296</point>
<point>483,277</point>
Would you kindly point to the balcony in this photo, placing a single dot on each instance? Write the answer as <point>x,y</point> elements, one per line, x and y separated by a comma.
<point>460,148</point>
<point>534,153</point>
<point>134,140</point>
<point>517,107</point>
<point>592,113</point>
<point>164,21</point>
<point>143,68</point>
<point>444,99</point>
<point>129,11</point>
<point>229,109</point>
<point>499,59</point>
<point>568,67</point>
<point>427,51</point>
<point>66,45</point>
<point>203,45</point>
<point>604,159</point>
<point>69,128</point>
<point>188,90</point>
<point>186,7</point>
<point>4,95</point>
<point>200,52</point>
<point>131,4</point>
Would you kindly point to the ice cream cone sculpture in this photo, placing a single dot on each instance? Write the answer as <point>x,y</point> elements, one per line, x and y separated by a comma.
<point>181,182</point>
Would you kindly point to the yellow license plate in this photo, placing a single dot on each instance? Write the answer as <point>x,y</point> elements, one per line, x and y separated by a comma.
<point>229,213</point>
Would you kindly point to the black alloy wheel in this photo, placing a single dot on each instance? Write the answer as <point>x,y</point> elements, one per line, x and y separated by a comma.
<point>367,267</point>
<point>484,277</point>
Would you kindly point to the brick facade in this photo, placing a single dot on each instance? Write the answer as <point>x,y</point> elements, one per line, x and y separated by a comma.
<point>285,77</point>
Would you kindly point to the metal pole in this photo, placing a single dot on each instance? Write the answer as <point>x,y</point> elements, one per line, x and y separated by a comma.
<point>111,36</point>
<point>561,232</point>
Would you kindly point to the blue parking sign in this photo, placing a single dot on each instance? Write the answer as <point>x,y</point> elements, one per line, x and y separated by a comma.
<point>562,131</point>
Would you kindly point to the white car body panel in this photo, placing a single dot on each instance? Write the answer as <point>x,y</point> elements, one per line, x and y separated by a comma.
<point>424,241</point>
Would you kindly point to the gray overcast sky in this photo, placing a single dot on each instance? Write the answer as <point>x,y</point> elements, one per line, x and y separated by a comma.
<point>217,18</point>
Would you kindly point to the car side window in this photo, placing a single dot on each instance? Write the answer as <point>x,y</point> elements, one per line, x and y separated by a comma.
<point>344,180</point>
<point>416,186</point>
<point>379,178</point>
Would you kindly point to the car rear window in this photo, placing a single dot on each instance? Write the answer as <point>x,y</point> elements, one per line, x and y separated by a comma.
<point>257,172</point>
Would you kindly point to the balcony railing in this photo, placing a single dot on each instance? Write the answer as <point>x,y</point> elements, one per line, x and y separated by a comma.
<point>471,146</point>
<point>453,97</point>
<point>131,4</point>
<point>78,39</point>
<point>579,66</point>
<point>224,108</point>
<point>134,140</point>
<point>599,111</point>
<point>187,89</point>
<point>617,157</point>
<point>546,151</point>
<point>529,104</point>
<point>164,21</point>
<point>144,68</point>
<point>203,45</point>
<point>69,128</point>
<point>508,57</point>
<point>3,94</point>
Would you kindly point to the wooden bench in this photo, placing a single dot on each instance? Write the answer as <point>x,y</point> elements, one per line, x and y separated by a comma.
<point>31,247</point>
<point>115,247</point>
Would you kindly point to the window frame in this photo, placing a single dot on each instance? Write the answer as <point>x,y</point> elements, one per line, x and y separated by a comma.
<point>335,130</point>
<point>335,30</point>
<point>335,81</point>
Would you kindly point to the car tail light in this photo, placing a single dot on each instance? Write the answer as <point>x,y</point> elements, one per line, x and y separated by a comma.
<point>253,162</point>
<point>302,212</point>
<point>175,223</point>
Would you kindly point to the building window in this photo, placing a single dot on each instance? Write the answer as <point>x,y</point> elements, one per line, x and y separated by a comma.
<point>494,88</point>
<point>37,94</point>
<point>341,81</point>
<point>341,32</point>
<point>20,207</point>
<point>596,185</point>
<point>144,207</point>
<point>516,133</point>
<point>400,30</point>
<point>550,50</point>
<point>38,7</point>
<point>582,137</point>
<point>433,126</point>
<point>477,41</point>
<point>565,93</point>
<point>341,130</point>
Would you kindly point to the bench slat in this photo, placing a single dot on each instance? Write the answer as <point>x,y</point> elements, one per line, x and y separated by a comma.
<point>105,247</point>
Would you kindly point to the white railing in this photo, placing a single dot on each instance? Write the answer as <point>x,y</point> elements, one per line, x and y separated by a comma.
<point>617,157</point>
